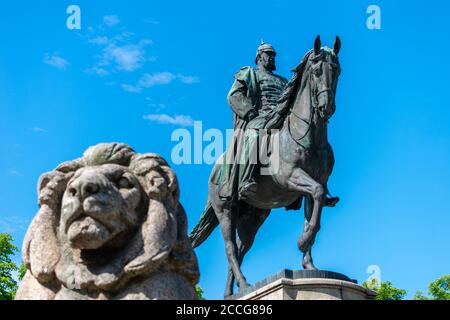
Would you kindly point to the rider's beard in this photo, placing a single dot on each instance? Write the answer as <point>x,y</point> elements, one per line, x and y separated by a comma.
<point>270,65</point>
<point>267,64</point>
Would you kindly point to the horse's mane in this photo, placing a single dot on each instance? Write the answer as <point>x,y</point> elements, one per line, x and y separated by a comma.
<point>295,81</point>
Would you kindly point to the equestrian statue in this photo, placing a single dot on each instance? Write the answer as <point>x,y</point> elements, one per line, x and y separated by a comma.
<point>279,157</point>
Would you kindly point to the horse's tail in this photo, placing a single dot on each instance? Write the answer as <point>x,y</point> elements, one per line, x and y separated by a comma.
<point>208,222</point>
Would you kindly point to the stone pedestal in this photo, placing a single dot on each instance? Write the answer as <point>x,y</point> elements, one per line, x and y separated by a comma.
<point>306,285</point>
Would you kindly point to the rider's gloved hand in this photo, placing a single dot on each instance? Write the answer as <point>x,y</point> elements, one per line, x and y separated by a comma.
<point>274,122</point>
<point>252,114</point>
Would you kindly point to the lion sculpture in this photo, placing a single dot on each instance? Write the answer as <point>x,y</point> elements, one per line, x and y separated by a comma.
<point>110,226</point>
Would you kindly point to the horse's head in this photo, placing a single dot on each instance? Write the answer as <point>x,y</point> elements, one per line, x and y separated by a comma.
<point>323,70</point>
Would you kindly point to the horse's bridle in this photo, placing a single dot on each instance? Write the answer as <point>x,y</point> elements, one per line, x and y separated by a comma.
<point>315,108</point>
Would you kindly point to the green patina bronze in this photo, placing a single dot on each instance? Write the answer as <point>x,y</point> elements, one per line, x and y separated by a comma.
<point>300,158</point>
<point>253,98</point>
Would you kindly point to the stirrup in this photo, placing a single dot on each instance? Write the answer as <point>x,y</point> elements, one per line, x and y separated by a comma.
<point>248,189</point>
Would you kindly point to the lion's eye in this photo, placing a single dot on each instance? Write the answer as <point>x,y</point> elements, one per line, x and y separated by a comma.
<point>124,183</point>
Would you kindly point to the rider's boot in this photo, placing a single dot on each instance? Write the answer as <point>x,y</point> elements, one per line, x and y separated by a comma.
<point>248,185</point>
<point>248,189</point>
<point>330,201</point>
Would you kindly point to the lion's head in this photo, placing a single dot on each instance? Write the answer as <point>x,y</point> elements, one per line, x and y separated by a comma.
<point>100,207</point>
<point>106,218</point>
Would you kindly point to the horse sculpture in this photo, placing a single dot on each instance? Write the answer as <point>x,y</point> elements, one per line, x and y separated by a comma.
<point>304,163</point>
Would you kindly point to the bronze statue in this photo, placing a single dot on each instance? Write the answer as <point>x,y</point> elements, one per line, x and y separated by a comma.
<point>253,99</point>
<point>240,199</point>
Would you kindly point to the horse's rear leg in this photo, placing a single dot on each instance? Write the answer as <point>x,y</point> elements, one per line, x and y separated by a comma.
<point>247,228</point>
<point>229,288</point>
<point>228,228</point>
<point>302,182</point>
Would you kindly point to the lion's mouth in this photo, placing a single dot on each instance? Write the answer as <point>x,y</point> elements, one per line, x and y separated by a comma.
<point>89,211</point>
<point>88,233</point>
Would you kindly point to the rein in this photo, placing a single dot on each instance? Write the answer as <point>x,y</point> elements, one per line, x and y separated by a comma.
<point>309,122</point>
<point>314,102</point>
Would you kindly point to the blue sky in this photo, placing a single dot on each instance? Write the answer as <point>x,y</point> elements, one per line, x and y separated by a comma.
<point>138,70</point>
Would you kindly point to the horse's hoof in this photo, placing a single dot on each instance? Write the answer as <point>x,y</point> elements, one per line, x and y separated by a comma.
<point>228,293</point>
<point>244,286</point>
<point>309,266</point>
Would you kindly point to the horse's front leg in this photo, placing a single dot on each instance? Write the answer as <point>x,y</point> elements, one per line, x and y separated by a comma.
<point>302,182</point>
<point>307,261</point>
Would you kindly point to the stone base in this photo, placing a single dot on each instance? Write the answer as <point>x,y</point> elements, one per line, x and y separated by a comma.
<point>306,285</point>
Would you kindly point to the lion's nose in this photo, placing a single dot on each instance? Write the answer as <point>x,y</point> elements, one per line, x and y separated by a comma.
<point>84,188</point>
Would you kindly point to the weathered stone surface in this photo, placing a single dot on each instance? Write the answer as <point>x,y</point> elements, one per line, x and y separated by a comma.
<point>306,285</point>
<point>110,226</point>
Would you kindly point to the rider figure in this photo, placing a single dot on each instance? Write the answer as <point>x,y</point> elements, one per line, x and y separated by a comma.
<point>265,88</point>
<point>254,99</point>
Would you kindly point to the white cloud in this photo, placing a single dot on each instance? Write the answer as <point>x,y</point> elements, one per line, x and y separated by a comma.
<point>156,106</point>
<point>98,71</point>
<point>181,120</point>
<point>124,36</point>
<point>37,129</point>
<point>118,52</point>
<point>55,60</point>
<point>159,78</point>
<point>188,79</point>
<point>131,88</point>
<point>111,20</point>
<point>15,173</point>
<point>99,40</point>
<point>126,58</point>
<point>150,21</point>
